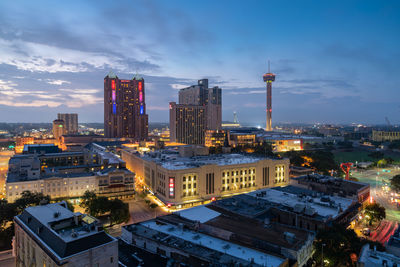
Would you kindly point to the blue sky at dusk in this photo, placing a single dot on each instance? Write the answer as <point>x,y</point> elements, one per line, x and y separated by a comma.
<point>335,61</point>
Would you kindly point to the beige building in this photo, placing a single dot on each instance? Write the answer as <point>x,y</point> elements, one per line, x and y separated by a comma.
<point>69,174</point>
<point>187,123</point>
<point>51,235</point>
<point>382,136</point>
<point>186,181</point>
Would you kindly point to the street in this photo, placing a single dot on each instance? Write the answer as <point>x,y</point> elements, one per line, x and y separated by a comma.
<point>378,178</point>
<point>4,158</point>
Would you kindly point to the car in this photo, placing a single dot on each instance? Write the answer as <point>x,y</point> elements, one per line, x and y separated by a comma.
<point>366,231</point>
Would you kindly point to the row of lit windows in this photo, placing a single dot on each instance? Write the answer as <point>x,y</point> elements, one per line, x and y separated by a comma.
<point>235,187</point>
<point>189,186</point>
<point>237,179</point>
<point>233,173</point>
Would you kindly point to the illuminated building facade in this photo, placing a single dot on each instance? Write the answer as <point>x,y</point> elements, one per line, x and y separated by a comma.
<point>58,130</point>
<point>180,181</point>
<point>125,108</point>
<point>187,123</point>
<point>210,98</point>
<point>215,138</point>
<point>70,121</point>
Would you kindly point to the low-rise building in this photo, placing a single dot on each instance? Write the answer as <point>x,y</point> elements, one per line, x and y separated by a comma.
<point>334,186</point>
<point>183,181</point>
<point>306,209</point>
<point>52,235</point>
<point>296,171</point>
<point>383,136</point>
<point>69,174</point>
<point>188,239</point>
<point>373,258</point>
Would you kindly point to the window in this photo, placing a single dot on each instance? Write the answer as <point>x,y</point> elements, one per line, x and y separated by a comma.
<point>184,178</point>
<point>223,181</point>
<point>184,186</point>
<point>223,174</point>
<point>112,259</point>
<point>190,186</point>
<point>194,178</point>
<point>194,185</point>
<point>233,180</point>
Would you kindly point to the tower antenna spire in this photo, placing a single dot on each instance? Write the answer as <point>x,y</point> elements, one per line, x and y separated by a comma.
<point>269,70</point>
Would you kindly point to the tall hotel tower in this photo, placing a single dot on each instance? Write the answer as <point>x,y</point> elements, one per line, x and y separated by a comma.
<point>125,108</point>
<point>199,109</point>
<point>269,78</point>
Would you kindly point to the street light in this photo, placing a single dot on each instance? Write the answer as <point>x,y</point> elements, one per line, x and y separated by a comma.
<point>322,261</point>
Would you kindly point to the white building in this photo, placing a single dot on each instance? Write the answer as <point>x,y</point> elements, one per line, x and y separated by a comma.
<point>52,235</point>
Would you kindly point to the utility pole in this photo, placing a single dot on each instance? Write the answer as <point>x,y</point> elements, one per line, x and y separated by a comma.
<point>322,262</point>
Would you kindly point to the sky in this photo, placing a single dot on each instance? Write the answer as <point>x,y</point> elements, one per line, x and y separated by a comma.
<point>335,61</point>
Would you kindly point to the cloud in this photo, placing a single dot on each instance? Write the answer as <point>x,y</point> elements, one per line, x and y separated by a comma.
<point>36,57</point>
<point>57,82</point>
<point>35,103</point>
<point>178,86</point>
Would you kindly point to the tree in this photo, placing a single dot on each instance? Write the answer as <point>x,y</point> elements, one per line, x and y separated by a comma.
<point>30,199</point>
<point>87,199</point>
<point>395,183</point>
<point>119,212</point>
<point>7,212</point>
<point>374,212</point>
<point>338,244</point>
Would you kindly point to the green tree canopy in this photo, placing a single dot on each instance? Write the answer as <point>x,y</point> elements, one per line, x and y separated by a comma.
<point>339,243</point>
<point>395,183</point>
<point>119,212</point>
<point>29,198</point>
<point>374,212</point>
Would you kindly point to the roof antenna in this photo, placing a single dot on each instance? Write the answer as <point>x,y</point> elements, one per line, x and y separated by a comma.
<point>269,70</point>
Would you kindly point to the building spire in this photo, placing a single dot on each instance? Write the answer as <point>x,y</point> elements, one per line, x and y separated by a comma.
<point>269,69</point>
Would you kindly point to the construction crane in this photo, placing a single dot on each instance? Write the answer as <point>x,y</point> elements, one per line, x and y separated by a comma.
<point>346,166</point>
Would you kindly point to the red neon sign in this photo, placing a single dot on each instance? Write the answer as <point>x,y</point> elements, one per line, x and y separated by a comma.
<point>113,84</point>
<point>140,86</point>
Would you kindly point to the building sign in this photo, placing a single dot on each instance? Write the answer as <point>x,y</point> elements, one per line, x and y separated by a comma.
<point>171,187</point>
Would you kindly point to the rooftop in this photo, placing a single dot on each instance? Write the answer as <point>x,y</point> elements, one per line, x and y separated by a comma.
<point>170,159</point>
<point>60,232</point>
<point>196,242</point>
<point>305,201</point>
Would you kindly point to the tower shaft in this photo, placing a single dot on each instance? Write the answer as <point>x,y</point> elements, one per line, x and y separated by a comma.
<point>269,107</point>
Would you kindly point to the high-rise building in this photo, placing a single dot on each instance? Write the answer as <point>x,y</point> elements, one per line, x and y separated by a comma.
<point>58,130</point>
<point>125,108</point>
<point>187,123</point>
<point>52,235</point>
<point>71,122</point>
<point>269,78</point>
<point>210,98</point>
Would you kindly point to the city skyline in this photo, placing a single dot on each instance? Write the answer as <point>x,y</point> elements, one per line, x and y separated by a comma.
<point>335,63</point>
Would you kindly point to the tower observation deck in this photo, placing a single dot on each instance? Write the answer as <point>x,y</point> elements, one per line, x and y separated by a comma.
<point>269,78</point>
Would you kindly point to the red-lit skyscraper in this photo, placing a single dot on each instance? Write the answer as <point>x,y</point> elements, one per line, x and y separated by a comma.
<point>269,78</point>
<point>125,108</point>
